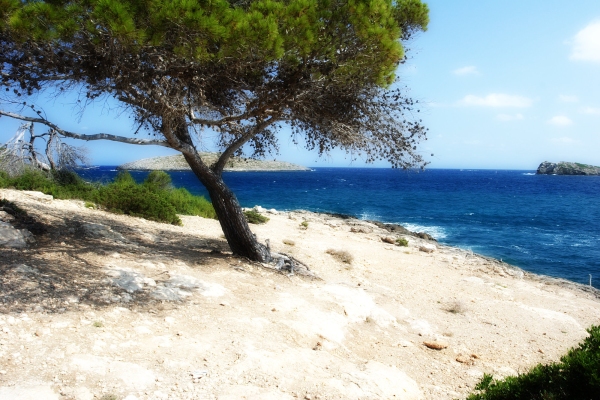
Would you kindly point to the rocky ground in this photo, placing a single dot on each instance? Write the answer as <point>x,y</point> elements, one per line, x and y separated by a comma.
<point>102,306</point>
<point>178,163</point>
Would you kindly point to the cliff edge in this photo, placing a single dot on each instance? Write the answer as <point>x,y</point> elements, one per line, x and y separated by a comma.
<point>567,168</point>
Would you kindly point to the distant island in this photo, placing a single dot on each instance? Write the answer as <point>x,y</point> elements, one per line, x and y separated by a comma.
<point>178,163</point>
<point>567,168</point>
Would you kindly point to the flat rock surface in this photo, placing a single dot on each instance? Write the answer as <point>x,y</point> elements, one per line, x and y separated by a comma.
<point>111,305</point>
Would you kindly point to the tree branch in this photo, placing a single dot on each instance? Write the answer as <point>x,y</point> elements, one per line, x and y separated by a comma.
<point>97,136</point>
<point>233,147</point>
<point>218,122</point>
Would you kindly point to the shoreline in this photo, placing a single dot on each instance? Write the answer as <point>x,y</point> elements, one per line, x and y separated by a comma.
<point>119,305</point>
<point>397,229</point>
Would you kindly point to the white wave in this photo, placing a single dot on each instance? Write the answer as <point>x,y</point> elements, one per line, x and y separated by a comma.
<point>365,215</point>
<point>528,173</point>
<point>436,231</point>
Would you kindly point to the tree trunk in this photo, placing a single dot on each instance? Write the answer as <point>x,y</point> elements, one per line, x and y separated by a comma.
<point>240,238</point>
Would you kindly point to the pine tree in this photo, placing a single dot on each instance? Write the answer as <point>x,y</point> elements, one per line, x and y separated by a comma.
<point>240,67</point>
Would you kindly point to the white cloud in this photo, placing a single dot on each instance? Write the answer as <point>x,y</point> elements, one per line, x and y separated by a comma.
<point>560,120</point>
<point>468,70</point>
<point>497,100</point>
<point>586,44</point>
<point>510,117</point>
<point>591,110</point>
<point>568,99</point>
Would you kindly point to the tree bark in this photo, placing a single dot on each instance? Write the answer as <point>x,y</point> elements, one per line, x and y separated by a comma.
<point>240,238</point>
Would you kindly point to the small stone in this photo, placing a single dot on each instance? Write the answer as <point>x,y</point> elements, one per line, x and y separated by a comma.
<point>427,248</point>
<point>436,345</point>
<point>464,359</point>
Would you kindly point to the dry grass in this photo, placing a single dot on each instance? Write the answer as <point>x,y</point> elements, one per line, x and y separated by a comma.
<point>456,307</point>
<point>341,255</point>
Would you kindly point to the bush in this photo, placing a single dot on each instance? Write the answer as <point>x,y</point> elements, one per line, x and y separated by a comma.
<point>3,179</point>
<point>155,199</point>
<point>402,242</point>
<point>158,180</point>
<point>33,179</point>
<point>188,204</point>
<point>254,217</point>
<point>576,376</point>
<point>124,196</point>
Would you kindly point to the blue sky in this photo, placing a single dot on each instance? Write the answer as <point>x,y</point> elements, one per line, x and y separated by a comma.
<point>504,85</point>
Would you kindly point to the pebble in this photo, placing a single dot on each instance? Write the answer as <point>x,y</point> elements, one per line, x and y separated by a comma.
<point>436,345</point>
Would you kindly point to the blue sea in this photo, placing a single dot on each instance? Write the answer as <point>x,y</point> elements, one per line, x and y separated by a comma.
<point>544,224</point>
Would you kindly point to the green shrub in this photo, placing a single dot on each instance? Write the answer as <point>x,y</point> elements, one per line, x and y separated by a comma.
<point>576,376</point>
<point>33,179</point>
<point>4,179</point>
<point>254,217</point>
<point>304,225</point>
<point>132,199</point>
<point>402,242</point>
<point>159,180</point>
<point>188,204</point>
<point>155,199</point>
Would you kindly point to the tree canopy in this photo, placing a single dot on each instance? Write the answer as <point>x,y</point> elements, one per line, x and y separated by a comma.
<point>238,67</point>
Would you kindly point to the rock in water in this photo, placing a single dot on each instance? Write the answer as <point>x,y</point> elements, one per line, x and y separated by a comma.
<point>567,168</point>
<point>546,168</point>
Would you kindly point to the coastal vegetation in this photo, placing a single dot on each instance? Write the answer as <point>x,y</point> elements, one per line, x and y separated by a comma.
<point>154,199</point>
<point>402,242</point>
<point>233,71</point>
<point>254,217</point>
<point>576,376</point>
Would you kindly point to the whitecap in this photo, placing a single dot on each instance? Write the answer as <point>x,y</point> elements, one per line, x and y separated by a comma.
<point>437,232</point>
<point>529,173</point>
<point>365,215</point>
